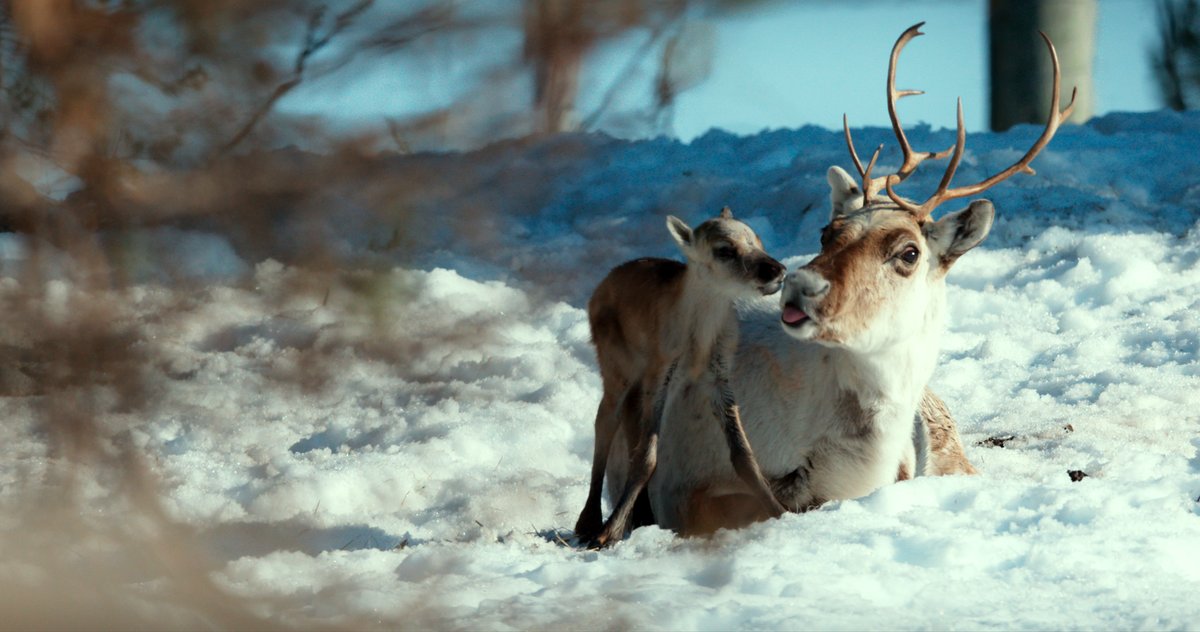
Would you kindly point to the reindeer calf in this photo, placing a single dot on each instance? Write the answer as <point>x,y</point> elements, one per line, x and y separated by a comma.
<point>657,320</point>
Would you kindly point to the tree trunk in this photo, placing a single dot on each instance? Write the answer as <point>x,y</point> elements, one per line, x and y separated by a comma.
<point>556,39</point>
<point>1021,75</point>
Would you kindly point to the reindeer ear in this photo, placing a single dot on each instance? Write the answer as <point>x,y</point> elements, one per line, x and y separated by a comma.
<point>726,213</point>
<point>959,232</point>
<point>680,231</point>
<point>844,194</point>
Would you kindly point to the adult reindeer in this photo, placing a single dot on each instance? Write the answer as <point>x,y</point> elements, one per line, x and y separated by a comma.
<point>830,386</point>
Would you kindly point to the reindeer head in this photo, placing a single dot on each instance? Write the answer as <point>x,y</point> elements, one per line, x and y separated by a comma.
<point>729,254</point>
<point>879,277</point>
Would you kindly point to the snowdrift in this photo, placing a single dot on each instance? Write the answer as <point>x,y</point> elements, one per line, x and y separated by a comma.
<point>430,478</point>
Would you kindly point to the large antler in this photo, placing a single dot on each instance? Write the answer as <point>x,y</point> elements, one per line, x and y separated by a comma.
<point>944,193</point>
<point>911,158</point>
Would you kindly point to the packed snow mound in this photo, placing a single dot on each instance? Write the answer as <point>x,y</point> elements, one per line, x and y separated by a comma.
<point>561,212</point>
<point>428,474</point>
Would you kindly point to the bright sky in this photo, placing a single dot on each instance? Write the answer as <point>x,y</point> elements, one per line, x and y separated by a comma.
<point>783,64</point>
<point>808,62</point>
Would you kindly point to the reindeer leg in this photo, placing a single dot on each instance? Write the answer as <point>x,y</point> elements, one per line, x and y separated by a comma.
<point>643,513</point>
<point>945,449</point>
<point>740,452</point>
<point>642,464</point>
<point>643,461</point>
<point>794,492</point>
<point>591,519</point>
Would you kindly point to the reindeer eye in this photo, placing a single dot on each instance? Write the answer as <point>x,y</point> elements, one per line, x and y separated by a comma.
<point>910,255</point>
<point>724,252</point>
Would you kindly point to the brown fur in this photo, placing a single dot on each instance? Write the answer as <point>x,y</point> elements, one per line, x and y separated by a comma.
<point>707,513</point>
<point>946,455</point>
<point>849,261</point>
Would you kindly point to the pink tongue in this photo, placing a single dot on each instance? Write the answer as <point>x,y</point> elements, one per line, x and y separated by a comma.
<point>793,315</point>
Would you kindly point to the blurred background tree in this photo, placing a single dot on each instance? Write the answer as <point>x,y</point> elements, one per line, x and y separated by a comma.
<point>1019,95</point>
<point>101,88</point>
<point>121,104</point>
<point>1176,59</point>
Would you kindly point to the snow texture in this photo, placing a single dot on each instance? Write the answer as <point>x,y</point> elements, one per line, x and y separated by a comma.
<point>428,481</point>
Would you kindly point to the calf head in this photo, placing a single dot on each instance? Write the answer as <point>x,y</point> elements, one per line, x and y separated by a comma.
<point>729,254</point>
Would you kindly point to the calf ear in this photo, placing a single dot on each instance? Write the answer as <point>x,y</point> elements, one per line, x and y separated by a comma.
<point>959,232</point>
<point>680,231</point>
<point>844,194</point>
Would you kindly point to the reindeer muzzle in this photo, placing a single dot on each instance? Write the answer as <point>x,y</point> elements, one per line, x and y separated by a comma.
<point>770,274</point>
<point>803,291</point>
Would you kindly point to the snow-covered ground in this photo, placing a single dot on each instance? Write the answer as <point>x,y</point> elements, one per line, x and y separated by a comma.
<point>428,476</point>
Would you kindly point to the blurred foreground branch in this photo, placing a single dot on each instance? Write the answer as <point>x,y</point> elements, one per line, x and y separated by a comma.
<point>312,44</point>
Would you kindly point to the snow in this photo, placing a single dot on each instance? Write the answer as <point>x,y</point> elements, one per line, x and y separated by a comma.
<point>408,442</point>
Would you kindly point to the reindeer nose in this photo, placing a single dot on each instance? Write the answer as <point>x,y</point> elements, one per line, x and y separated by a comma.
<point>809,283</point>
<point>769,270</point>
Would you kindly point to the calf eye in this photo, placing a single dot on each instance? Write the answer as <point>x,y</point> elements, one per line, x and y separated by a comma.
<point>910,255</point>
<point>724,252</point>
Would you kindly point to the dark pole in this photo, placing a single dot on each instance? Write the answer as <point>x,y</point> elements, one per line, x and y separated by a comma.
<point>1020,66</point>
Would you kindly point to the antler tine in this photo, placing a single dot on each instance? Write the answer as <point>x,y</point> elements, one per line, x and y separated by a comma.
<point>865,174</point>
<point>850,144</point>
<point>893,94</point>
<point>870,166</point>
<point>960,143</point>
<point>867,182</point>
<point>911,158</point>
<point>926,209</point>
<point>1053,121</point>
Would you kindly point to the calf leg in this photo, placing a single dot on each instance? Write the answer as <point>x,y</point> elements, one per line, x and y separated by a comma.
<point>740,453</point>
<point>590,521</point>
<point>641,467</point>
<point>643,514</point>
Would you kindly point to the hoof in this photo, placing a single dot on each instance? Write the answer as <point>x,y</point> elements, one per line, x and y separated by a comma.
<point>587,528</point>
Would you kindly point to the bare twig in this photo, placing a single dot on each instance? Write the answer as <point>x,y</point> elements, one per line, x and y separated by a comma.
<point>625,75</point>
<point>312,44</point>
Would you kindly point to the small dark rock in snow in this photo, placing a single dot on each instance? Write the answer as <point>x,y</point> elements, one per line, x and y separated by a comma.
<point>997,442</point>
<point>1076,475</point>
